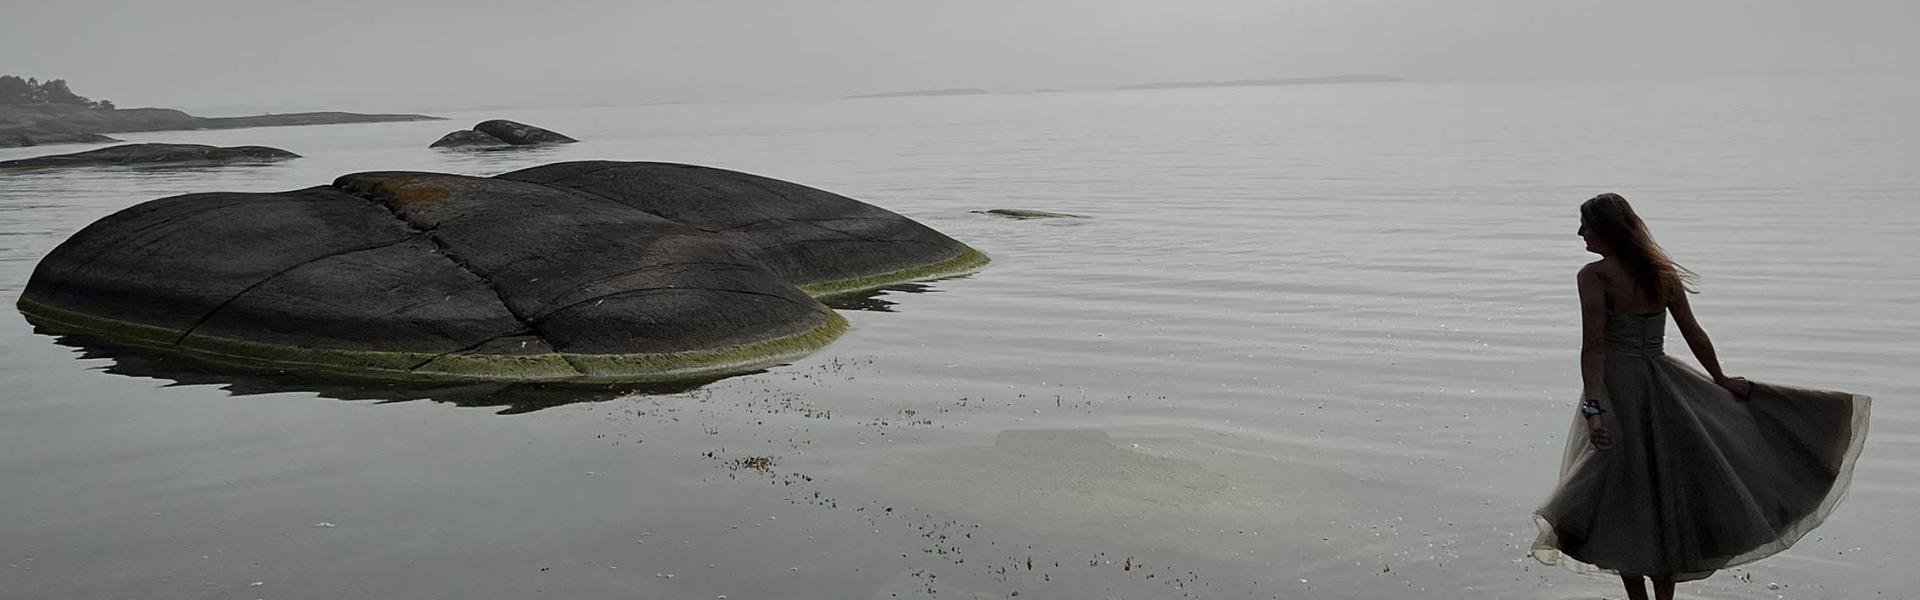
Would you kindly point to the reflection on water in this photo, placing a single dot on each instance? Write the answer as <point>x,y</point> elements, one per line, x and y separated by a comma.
<point>490,159</point>
<point>516,398</point>
<point>513,398</point>
<point>874,300</point>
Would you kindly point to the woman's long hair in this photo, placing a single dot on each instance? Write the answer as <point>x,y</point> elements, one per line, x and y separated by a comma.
<point>1613,219</point>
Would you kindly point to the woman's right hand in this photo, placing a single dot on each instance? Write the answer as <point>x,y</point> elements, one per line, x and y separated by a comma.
<point>1738,386</point>
<point>1597,434</point>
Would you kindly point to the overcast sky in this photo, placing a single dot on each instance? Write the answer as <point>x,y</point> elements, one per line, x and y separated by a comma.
<point>428,54</point>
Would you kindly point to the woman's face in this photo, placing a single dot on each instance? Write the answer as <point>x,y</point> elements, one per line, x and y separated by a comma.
<point>1594,243</point>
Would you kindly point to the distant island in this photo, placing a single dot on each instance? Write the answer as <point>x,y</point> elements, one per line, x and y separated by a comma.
<point>1167,85</point>
<point>939,92</point>
<point>34,113</point>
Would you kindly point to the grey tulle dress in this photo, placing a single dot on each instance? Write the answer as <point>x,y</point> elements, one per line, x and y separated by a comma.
<point>1695,480</point>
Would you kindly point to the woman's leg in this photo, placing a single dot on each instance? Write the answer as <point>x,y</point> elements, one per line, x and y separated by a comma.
<point>1663,589</point>
<point>1637,590</point>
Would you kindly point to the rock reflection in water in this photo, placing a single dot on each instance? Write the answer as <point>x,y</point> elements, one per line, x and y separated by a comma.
<point>512,398</point>
<point>873,300</point>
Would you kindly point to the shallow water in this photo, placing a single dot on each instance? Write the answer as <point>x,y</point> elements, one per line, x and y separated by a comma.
<point>1312,342</point>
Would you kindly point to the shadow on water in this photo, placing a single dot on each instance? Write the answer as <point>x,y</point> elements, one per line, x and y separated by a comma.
<point>512,398</point>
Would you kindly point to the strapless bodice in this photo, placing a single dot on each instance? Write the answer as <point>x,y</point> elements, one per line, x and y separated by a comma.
<point>1637,335</point>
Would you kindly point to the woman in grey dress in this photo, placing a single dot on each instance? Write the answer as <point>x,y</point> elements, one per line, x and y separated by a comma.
<point>1671,474</point>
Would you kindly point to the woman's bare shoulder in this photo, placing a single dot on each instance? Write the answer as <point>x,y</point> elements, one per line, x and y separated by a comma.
<point>1603,268</point>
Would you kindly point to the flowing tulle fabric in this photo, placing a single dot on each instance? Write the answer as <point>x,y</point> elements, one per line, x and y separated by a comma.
<point>1695,480</point>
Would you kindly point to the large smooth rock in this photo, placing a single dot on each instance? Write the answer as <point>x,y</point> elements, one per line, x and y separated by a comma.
<point>520,134</point>
<point>153,154</point>
<point>569,272</point>
<point>824,242</point>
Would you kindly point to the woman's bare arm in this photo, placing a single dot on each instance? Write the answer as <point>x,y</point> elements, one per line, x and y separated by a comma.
<point>1593,353</point>
<point>1702,347</point>
<point>1696,337</point>
<point>1593,334</point>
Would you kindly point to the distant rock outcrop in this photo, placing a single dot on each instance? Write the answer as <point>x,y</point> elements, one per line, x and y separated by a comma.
<point>21,138</point>
<point>307,118</point>
<point>938,92</point>
<point>153,154</point>
<point>1168,85</point>
<point>577,271</point>
<point>36,124</point>
<point>500,133</point>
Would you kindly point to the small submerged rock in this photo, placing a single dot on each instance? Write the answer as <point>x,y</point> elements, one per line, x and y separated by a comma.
<point>153,154</point>
<point>1019,213</point>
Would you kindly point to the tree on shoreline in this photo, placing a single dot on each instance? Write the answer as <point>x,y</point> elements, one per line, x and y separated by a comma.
<point>16,91</point>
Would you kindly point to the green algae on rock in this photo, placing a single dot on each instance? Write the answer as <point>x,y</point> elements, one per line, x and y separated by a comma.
<point>588,272</point>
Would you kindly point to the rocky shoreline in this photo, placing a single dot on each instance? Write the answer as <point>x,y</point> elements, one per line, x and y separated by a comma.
<point>37,125</point>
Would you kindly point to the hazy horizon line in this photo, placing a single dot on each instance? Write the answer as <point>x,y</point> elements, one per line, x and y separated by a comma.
<point>217,110</point>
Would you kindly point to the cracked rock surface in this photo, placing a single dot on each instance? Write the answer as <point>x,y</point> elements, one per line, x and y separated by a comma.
<point>588,271</point>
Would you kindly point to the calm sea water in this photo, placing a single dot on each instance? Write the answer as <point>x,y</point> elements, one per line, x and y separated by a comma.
<point>1313,342</point>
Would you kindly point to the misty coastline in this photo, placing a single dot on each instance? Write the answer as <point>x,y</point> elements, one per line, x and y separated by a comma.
<point>1170,85</point>
<point>44,124</point>
<point>918,93</point>
<point>1158,85</point>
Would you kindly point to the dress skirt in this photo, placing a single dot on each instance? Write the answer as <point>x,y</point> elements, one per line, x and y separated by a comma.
<point>1696,480</point>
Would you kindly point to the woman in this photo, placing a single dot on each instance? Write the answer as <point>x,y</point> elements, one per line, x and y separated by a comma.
<point>1671,474</point>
